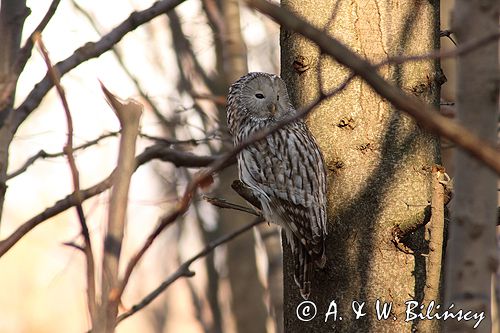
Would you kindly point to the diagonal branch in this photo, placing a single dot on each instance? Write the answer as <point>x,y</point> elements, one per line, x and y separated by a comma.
<point>68,150</point>
<point>88,51</point>
<point>118,54</point>
<point>222,203</point>
<point>25,51</point>
<point>423,113</point>
<point>184,271</point>
<point>158,151</point>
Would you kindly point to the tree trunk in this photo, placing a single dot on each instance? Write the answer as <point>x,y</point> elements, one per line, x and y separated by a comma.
<point>12,16</point>
<point>472,256</point>
<point>379,161</point>
<point>246,287</point>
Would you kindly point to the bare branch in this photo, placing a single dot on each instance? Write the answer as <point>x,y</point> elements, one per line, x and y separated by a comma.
<point>178,158</point>
<point>221,203</point>
<point>99,30</point>
<point>162,151</point>
<point>91,50</point>
<point>43,154</point>
<point>219,100</point>
<point>445,54</point>
<point>184,271</point>
<point>68,149</point>
<point>25,51</point>
<point>424,114</point>
<point>165,141</point>
<point>129,114</point>
<point>27,164</point>
<point>193,78</point>
<point>447,33</point>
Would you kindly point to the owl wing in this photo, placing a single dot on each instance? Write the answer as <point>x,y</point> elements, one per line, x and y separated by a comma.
<point>287,167</point>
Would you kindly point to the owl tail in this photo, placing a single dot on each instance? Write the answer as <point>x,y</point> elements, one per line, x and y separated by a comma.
<point>303,266</point>
<point>303,270</point>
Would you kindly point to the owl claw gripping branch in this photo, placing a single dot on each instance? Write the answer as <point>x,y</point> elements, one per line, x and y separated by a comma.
<point>285,171</point>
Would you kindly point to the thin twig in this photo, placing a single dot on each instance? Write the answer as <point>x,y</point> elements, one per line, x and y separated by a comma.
<point>447,33</point>
<point>423,113</point>
<point>68,149</point>
<point>25,52</point>
<point>444,54</point>
<point>178,142</point>
<point>219,100</point>
<point>184,271</point>
<point>91,50</point>
<point>162,148</point>
<point>157,151</point>
<point>116,51</point>
<point>43,154</point>
<point>23,56</point>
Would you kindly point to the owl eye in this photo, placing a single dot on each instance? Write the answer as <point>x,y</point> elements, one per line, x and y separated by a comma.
<point>259,96</point>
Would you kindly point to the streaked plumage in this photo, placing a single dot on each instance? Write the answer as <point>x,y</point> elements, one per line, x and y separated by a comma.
<point>285,171</point>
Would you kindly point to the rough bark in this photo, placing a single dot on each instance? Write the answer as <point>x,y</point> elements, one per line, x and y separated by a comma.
<point>379,161</point>
<point>471,254</point>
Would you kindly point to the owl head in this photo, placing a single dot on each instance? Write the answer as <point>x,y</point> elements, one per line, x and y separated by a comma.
<point>258,97</point>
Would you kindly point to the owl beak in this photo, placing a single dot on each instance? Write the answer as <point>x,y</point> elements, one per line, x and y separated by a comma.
<point>273,109</point>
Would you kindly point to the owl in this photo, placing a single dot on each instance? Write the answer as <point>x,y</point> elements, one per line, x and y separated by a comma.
<point>285,171</point>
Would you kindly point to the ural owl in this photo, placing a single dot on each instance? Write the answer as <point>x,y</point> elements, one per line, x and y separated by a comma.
<point>285,171</point>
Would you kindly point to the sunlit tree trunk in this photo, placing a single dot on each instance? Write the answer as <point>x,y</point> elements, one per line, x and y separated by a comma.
<point>379,161</point>
<point>471,254</point>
